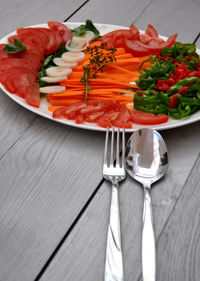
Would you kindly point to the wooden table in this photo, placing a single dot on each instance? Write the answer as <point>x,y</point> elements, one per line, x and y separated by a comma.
<point>54,203</point>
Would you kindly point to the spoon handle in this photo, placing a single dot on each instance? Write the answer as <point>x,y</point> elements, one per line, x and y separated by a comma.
<point>148,240</point>
<point>114,262</point>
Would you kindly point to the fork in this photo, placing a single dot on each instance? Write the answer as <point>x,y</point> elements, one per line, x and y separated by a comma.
<point>114,172</point>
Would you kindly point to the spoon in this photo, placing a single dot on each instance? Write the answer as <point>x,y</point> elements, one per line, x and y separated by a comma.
<point>147,162</point>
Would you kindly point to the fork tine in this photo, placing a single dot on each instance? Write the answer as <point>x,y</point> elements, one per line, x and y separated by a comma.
<point>123,147</point>
<point>105,160</point>
<point>117,149</point>
<point>112,148</point>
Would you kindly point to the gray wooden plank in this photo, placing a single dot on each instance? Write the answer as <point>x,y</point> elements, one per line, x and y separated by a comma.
<point>46,179</point>
<point>19,13</point>
<point>168,16</point>
<point>85,247</point>
<point>178,246</point>
<point>14,14</point>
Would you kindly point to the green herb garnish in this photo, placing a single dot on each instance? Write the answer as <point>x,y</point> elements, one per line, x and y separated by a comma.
<point>98,61</point>
<point>18,46</point>
<point>88,26</point>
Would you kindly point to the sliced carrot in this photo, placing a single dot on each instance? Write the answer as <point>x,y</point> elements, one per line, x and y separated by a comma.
<point>53,108</point>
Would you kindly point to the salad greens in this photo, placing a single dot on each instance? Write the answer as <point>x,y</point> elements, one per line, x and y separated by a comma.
<point>171,85</point>
<point>48,62</point>
<point>88,26</point>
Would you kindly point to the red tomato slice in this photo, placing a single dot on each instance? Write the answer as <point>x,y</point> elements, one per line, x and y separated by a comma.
<point>145,39</point>
<point>8,63</point>
<point>92,117</point>
<point>33,36</point>
<point>137,48</point>
<point>17,81</point>
<point>2,46</point>
<point>61,29</point>
<point>151,32</point>
<point>30,44</point>
<point>52,43</point>
<point>107,119</point>
<point>156,46</point>
<point>145,118</point>
<point>32,94</point>
<point>60,112</point>
<point>135,32</point>
<point>124,119</point>
<point>18,69</point>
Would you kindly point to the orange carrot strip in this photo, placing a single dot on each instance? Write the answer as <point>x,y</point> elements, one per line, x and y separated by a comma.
<point>64,102</point>
<point>53,108</point>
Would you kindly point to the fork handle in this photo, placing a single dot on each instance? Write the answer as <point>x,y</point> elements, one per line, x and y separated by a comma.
<point>148,240</point>
<point>114,262</point>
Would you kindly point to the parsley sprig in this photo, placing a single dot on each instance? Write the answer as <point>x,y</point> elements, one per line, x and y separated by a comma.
<point>99,58</point>
<point>18,46</point>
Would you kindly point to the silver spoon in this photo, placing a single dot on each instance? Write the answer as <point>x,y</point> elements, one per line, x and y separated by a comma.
<point>147,162</point>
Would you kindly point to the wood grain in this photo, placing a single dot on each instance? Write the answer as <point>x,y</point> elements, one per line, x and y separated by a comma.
<point>85,247</point>
<point>178,246</point>
<point>181,16</point>
<point>20,13</point>
<point>46,179</point>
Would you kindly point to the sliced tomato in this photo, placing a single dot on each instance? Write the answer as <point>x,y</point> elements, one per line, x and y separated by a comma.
<point>79,119</point>
<point>151,31</point>
<point>137,48</point>
<point>17,82</point>
<point>124,119</point>
<point>8,63</point>
<point>2,46</point>
<point>52,42</point>
<point>145,118</point>
<point>34,35</point>
<point>156,46</point>
<point>61,29</point>
<point>145,39</point>
<point>31,44</point>
<point>32,94</point>
<point>93,117</point>
<point>60,112</point>
<point>135,32</point>
<point>107,119</point>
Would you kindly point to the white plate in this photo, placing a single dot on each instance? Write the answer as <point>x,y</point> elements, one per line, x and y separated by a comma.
<point>43,109</point>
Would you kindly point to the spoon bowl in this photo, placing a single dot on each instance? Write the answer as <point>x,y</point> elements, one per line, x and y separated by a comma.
<point>146,156</point>
<point>147,162</point>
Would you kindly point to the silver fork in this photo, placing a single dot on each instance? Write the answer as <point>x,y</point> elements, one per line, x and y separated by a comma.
<point>114,174</point>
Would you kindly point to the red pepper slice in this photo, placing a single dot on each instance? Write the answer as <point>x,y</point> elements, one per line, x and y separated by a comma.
<point>183,90</point>
<point>173,101</point>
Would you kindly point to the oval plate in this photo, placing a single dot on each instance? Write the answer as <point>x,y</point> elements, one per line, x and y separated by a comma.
<point>43,109</point>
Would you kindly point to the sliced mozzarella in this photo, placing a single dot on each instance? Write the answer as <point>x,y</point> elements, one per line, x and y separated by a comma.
<point>77,44</point>
<point>73,57</point>
<point>50,79</point>
<point>89,35</point>
<point>62,63</point>
<point>55,71</point>
<point>52,89</point>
